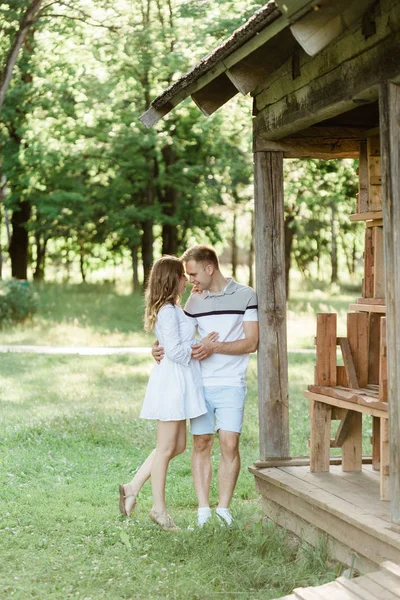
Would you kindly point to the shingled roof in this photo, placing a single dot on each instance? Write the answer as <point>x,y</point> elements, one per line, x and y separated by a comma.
<point>258,21</point>
<point>263,44</point>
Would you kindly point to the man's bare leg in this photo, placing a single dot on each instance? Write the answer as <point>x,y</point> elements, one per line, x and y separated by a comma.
<point>228,471</point>
<point>202,472</point>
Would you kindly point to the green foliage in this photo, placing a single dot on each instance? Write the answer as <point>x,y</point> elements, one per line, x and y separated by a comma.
<point>73,146</point>
<point>73,149</point>
<point>320,196</point>
<point>18,301</point>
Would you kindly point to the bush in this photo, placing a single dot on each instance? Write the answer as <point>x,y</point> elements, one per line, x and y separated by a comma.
<point>17,301</point>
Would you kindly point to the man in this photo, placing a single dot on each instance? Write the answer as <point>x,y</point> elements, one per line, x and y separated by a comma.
<point>222,305</point>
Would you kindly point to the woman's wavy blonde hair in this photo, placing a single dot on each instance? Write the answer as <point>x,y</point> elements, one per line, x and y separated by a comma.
<point>162,287</point>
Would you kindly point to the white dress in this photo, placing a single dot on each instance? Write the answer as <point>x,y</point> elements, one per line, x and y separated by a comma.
<point>175,388</point>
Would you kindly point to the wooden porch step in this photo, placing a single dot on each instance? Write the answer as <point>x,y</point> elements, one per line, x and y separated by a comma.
<point>380,585</point>
<point>343,506</point>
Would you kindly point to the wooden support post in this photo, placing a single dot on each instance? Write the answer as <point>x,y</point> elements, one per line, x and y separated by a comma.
<point>352,445</point>
<point>374,332</point>
<point>320,417</point>
<point>342,430</point>
<point>368,281</point>
<point>379,266</point>
<point>376,443</point>
<point>374,174</point>
<point>385,460</point>
<point>325,372</point>
<point>362,201</point>
<point>357,334</point>
<point>270,271</point>
<point>383,383</point>
<point>341,377</point>
<point>389,117</point>
<point>350,369</point>
<point>384,430</point>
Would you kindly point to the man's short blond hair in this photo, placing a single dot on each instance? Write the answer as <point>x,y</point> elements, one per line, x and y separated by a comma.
<point>201,253</point>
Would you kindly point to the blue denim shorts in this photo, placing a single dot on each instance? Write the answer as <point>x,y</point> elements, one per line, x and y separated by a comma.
<point>225,406</point>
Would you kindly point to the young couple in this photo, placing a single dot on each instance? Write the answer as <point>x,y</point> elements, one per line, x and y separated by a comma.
<point>203,381</point>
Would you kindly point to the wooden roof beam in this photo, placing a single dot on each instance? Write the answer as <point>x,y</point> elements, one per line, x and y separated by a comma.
<point>253,69</point>
<point>215,94</point>
<point>294,9</point>
<point>314,142</point>
<point>319,27</point>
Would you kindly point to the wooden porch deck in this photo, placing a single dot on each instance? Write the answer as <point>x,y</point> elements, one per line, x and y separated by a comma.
<point>346,507</point>
<point>382,585</point>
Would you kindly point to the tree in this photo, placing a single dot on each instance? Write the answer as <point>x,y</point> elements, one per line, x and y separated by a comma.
<point>83,173</point>
<point>319,197</point>
<point>29,16</point>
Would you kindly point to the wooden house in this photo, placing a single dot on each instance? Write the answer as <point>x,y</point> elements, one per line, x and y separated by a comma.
<point>325,80</point>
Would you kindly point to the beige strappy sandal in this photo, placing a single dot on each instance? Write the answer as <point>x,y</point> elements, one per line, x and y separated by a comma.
<point>164,521</point>
<point>125,492</point>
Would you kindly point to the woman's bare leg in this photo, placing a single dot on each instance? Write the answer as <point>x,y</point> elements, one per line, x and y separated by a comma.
<point>143,474</point>
<point>171,440</point>
<point>132,489</point>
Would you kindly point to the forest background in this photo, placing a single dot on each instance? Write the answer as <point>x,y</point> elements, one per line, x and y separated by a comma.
<point>86,189</point>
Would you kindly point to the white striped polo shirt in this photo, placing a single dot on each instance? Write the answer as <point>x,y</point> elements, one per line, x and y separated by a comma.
<point>224,313</point>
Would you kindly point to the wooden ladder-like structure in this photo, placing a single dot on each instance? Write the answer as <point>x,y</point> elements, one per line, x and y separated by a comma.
<point>358,386</point>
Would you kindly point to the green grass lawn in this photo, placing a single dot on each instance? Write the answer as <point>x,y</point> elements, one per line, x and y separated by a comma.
<point>83,315</point>
<point>71,434</point>
<point>103,315</point>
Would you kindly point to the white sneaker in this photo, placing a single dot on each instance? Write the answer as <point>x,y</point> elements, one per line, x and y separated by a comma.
<point>224,515</point>
<point>203,515</point>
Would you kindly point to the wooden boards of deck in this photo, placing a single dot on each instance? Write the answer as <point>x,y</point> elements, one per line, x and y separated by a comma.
<point>344,506</point>
<point>378,585</point>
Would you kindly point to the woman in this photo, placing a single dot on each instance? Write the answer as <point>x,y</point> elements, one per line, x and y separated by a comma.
<point>174,392</point>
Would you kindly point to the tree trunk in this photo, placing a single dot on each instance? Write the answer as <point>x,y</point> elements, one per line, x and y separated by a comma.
<point>289,237</point>
<point>234,255</point>
<point>38,274</point>
<point>334,258</point>
<point>353,258</point>
<point>3,194</point>
<point>82,262</point>
<point>1,224</point>
<point>169,205</point>
<point>19,241</point>
<point>147,250</point>
<point>147,231</point>
<point>135,267</point>
<point>169,239</point>
<point>67,261</point>
<point>27,21</point>
<point>251,250</point>
<point>1,248</point>
<point>318,262</point>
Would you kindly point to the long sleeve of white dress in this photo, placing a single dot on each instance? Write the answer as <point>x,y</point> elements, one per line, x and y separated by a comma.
<point>168,325</point>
